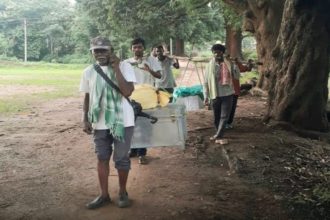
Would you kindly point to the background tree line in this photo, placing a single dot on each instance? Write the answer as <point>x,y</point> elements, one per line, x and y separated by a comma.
<point>59,30</point>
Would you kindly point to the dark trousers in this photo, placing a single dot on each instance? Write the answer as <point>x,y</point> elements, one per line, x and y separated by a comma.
<point>138,151</point>
<point>233,109</point>
<point>221,111</point>
<point>170,90</point>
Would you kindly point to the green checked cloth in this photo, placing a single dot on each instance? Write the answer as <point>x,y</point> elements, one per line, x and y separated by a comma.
<point>111,99</point>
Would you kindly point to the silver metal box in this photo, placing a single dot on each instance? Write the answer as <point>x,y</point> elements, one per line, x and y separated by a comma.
<point>169,130</point>
<point>192,103</point>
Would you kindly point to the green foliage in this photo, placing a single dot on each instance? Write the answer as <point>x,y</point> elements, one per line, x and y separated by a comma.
<point>57,31</point>
<point>249,48</point>
<point>250,54</point>
<point>205,53</point>
<point>231,17</point>
<point>248,75</point>
<point>4,44</point>
<point>48,28</point>
<point>76,58</point>
<point>249,41</point>
<point>5,58</point>
<point>176,73</point>
<point>12,105</point>
<point>199,50</point>
<point>155,21</point>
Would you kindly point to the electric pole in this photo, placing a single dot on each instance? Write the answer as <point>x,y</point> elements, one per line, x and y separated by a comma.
<point>171,47</point>
<point>25,41</point>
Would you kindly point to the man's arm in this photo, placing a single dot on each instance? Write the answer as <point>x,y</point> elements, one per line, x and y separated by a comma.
<point>176,64</point>
<point>242,68</point>
<point>125,87</point>
<point>87,125</point>
<point>206,87</point>
<point>155,74</point>
<point>206,93</point>
<point>236,73</point>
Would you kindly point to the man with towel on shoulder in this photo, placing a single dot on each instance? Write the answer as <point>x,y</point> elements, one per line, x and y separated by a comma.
<point>218,87</point>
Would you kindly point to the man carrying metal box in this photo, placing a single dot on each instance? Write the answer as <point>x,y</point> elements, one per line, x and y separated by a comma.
<point>146,71</point>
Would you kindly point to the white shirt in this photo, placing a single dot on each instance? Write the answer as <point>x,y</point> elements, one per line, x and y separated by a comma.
<point>167,80</point>
<point>86,84</point>
<point>142,76</point>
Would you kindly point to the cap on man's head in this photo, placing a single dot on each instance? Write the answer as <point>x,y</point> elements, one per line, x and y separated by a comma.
<point>100,43</point>
<point>218,47</point>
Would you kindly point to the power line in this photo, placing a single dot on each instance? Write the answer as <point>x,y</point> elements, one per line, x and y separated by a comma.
<point>36,20</point>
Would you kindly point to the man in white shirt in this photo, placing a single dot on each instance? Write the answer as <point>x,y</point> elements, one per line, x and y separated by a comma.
<point>147,70</point>
<point>110,116</point>
<point>167,81</point>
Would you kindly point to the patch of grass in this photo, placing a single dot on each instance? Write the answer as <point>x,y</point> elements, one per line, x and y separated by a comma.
<point>250,54</point>
<point>55,81</point>
<point>11,105</point>
<point>248,75</point>
<point>206,53</point>
<point>176,73</point>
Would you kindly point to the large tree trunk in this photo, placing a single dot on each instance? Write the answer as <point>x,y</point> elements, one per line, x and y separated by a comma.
<point>295,73</point>
<point>299,69</point>
<point>263,18</point>
<point>234,42</point>
<point>179,47</point>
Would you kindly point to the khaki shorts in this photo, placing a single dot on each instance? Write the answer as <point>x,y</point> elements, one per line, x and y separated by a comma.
<point>103,141</point>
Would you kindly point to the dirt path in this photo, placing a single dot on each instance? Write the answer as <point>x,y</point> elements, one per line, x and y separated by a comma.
<point>47,169</point>
<point>48,172</point>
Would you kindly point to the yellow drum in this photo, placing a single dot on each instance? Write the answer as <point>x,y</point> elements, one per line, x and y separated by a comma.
<point>149,97</point>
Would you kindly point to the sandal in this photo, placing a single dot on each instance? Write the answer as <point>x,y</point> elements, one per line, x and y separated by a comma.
<point>221,141</point>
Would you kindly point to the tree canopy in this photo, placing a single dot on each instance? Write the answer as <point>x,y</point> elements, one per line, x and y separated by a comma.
<point>156,21</point>
<point>56,29</point>
<point>48,27</point>
<point>293,45</point>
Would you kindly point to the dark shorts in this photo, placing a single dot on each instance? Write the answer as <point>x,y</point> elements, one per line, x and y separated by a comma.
<point>103,141</point>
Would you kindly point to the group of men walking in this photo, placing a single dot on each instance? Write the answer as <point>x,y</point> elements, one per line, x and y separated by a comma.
<point>108,113</point>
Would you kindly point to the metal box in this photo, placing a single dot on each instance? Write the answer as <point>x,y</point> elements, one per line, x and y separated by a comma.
<point>169,130</point>
<point>192,103</point>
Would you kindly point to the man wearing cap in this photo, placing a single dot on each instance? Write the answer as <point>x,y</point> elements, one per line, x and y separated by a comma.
<point>147,70</point>
<point>109,115</point>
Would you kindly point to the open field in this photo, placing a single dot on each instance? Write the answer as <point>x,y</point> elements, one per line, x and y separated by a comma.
<point>25,84</point>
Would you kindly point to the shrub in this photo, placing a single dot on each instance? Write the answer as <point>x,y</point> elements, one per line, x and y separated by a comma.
<point>68,59</point>
<point>75,58</point>
<point>250,54</point>
<point>5,58</point>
